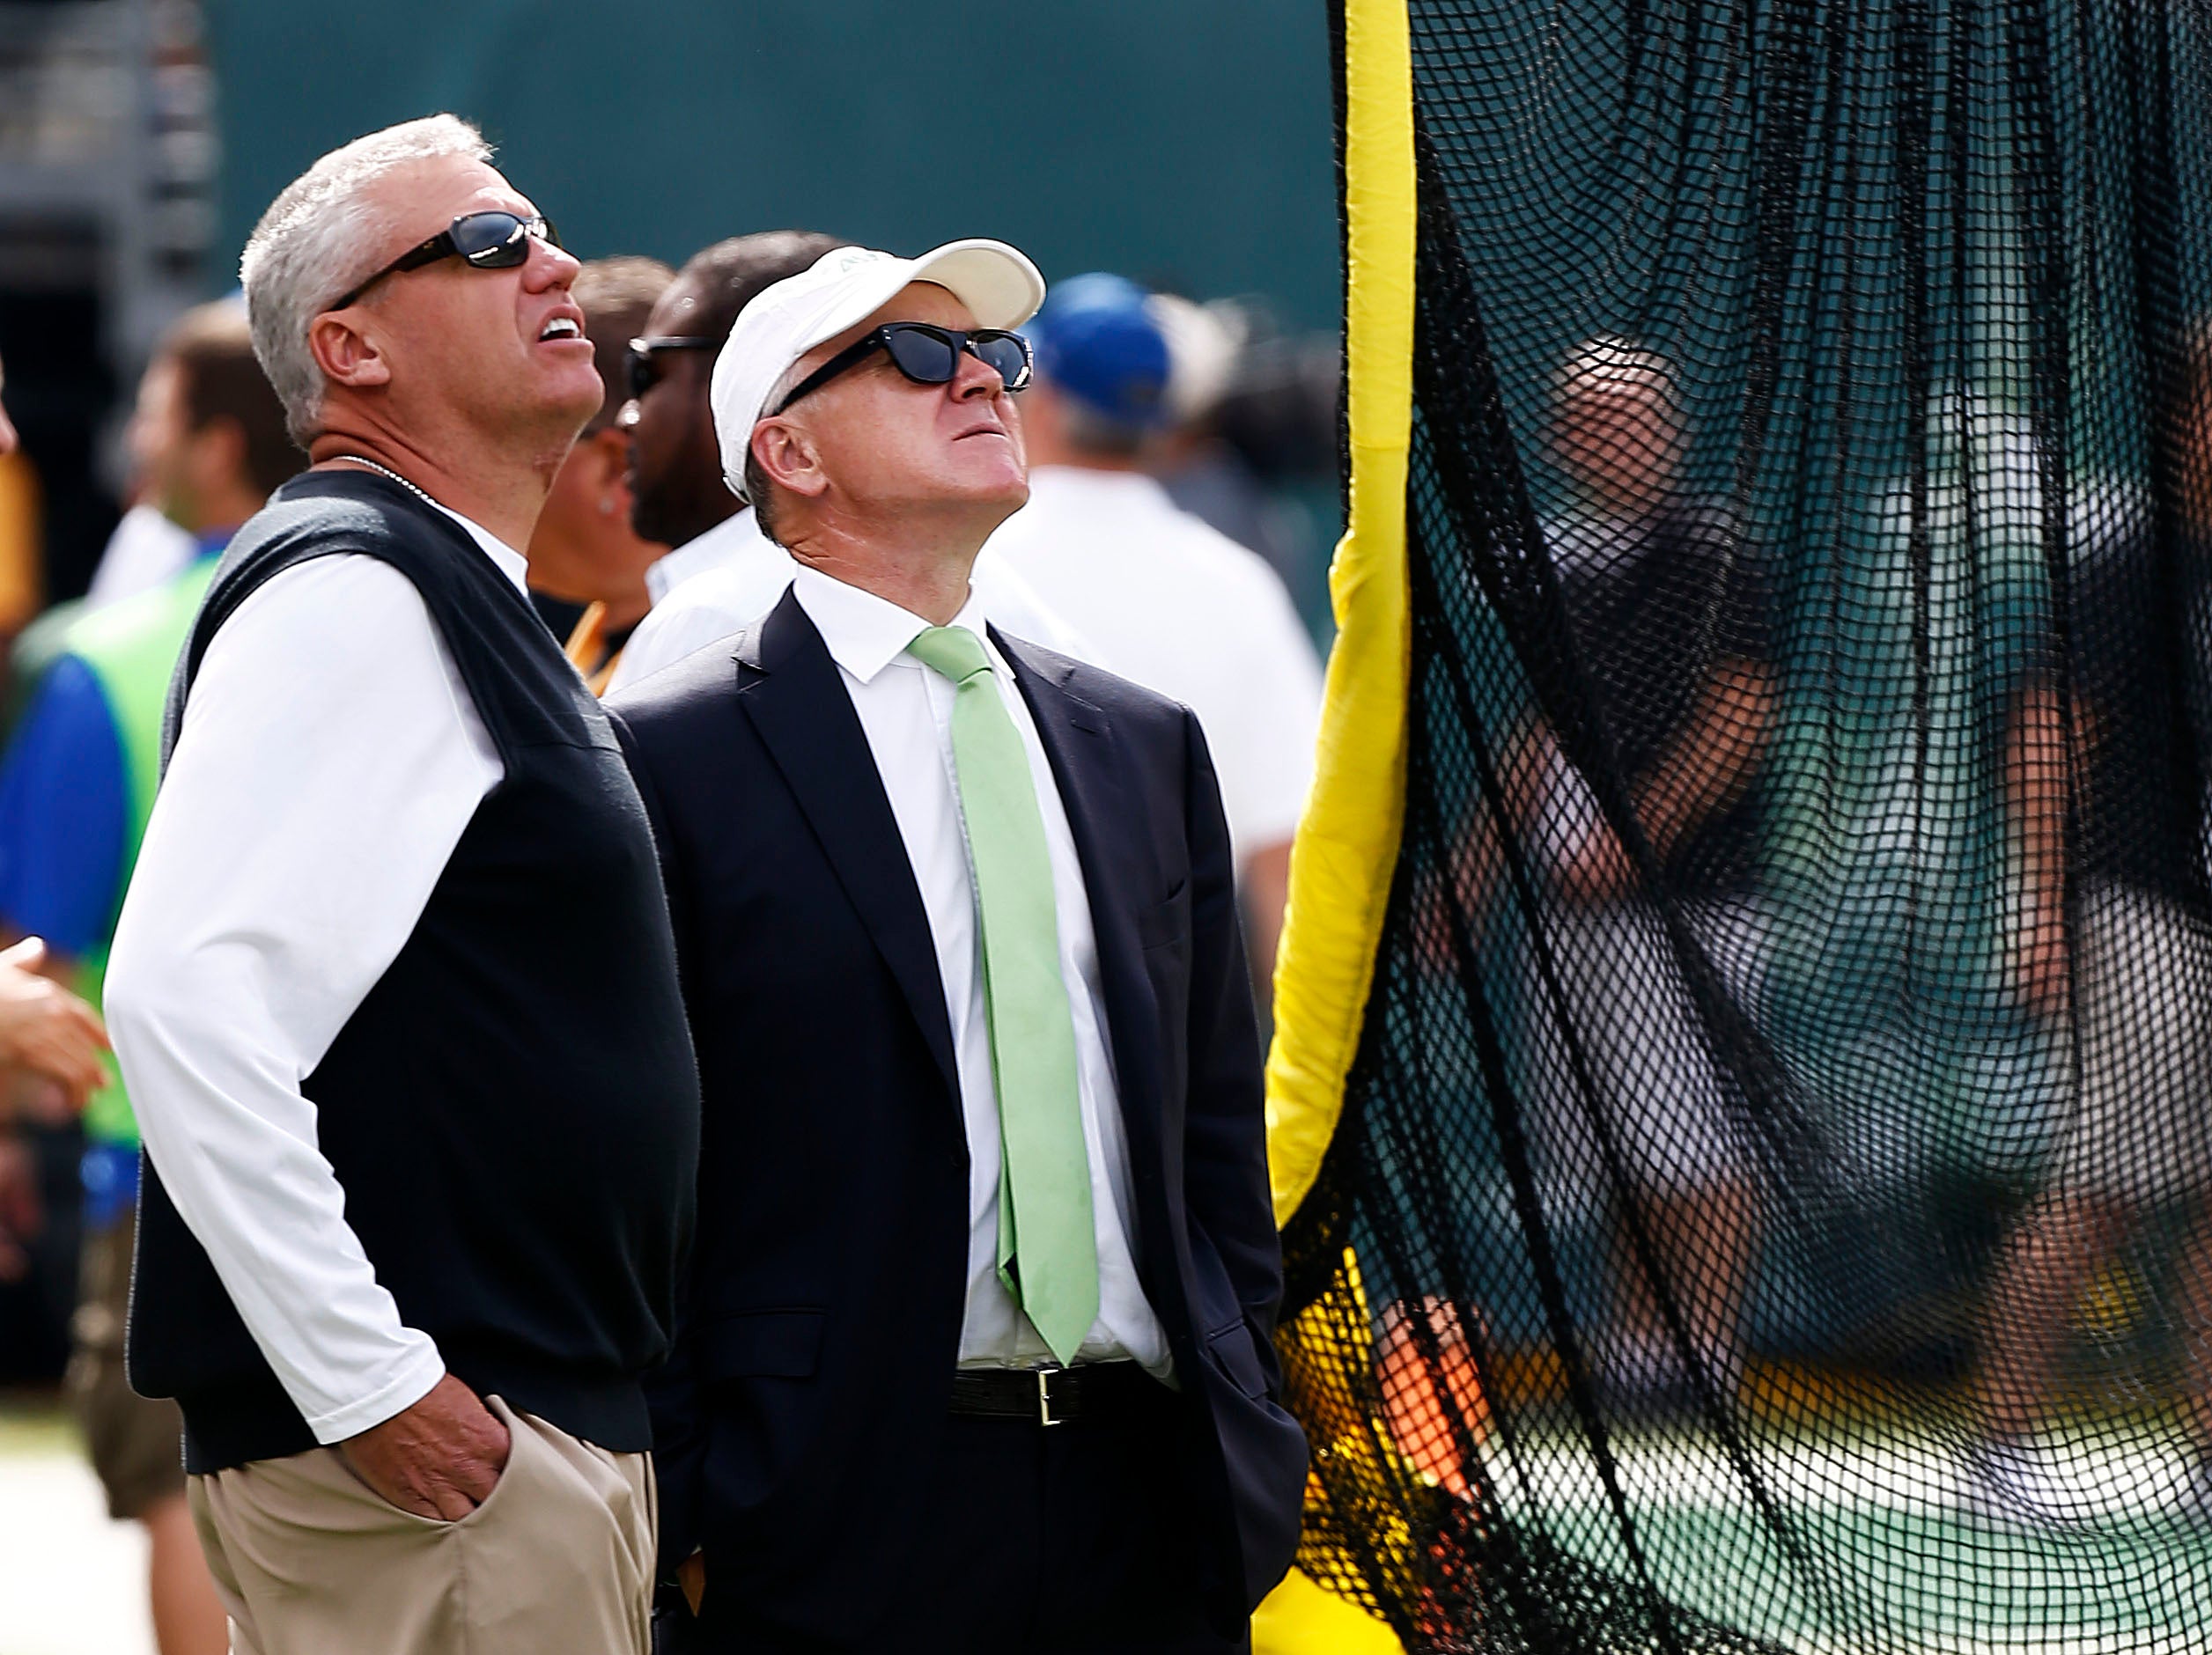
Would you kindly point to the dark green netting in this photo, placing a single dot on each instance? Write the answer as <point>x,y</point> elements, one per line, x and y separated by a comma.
<point>1770,1205</point>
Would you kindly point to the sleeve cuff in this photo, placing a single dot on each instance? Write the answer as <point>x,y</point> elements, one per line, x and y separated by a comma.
<point>420,1375</point>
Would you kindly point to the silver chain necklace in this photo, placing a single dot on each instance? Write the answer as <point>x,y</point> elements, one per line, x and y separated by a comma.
<point>358,460</point>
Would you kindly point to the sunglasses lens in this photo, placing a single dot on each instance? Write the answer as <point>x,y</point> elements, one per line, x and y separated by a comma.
<point>1003,353</point>
<point>493,240</point>
<point>637,364</point>
<point>923,355</point>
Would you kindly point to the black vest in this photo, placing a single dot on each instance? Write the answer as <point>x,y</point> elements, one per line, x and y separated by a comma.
<point>514,1111</point>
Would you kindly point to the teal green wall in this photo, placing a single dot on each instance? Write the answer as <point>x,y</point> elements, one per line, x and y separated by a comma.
<point>1182,140</point>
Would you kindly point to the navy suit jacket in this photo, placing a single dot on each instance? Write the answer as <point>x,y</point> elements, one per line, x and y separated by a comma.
<point>801,1418</point>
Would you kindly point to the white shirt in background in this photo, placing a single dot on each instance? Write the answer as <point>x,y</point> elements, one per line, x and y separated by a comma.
<point>1168,601</point>
<point>329,759</point>
<point>734,539</point>
<point>905,710</point>
<point>748,577</point>
<point>145,551</point>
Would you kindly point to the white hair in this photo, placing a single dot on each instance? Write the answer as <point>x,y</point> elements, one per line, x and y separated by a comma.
<point>321,236</point>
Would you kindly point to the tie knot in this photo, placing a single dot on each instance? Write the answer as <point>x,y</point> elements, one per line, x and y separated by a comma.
<point>954,651</point>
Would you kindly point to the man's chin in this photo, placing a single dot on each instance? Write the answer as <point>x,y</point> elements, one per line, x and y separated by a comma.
<point>999,476</point>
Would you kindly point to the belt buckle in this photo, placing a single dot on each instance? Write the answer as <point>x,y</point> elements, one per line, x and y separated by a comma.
<point>1044,1397</point>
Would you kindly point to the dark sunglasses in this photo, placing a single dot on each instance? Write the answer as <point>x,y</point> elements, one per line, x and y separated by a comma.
<point>637,360</point>
<point>489,240</point>
<point>927,354</point>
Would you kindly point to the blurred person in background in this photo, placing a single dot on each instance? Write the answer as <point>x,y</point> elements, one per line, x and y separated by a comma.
<point>420,1124</point>
<point>1251,445</point>
<point>587,564</point>
<point>145,548</point>
<point>1159,595</point>
<point>22,538</point>
<point>724,572</point>
<point>677,495</point>
<point>1670,611</point>
<point>2112,953</point>
<point>50,1041</point>
<point>75,788</point>
<point>149,547</point>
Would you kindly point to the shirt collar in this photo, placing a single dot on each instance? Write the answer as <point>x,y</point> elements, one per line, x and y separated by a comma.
<point>504,557</point>
<point>865,633</point>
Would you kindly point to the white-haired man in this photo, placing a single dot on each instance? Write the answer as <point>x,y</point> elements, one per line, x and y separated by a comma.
<point>419,1161</point>
<point>976,1349</point>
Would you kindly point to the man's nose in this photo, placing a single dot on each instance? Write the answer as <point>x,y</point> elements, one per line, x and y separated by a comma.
<point>549,266</point>
<point>974,376</point>
<point>626,419</point>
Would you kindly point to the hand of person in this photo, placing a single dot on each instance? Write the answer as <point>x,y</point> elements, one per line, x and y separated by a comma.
<point>440,1458</point>
<point>22,1214</point>
<point>46,1029</point>
<point>691,1576</point>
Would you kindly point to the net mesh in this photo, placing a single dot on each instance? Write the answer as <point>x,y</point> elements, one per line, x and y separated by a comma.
<point>1768,1210</point>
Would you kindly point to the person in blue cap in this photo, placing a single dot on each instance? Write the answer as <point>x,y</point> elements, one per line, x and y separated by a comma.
<point>1161,598</point>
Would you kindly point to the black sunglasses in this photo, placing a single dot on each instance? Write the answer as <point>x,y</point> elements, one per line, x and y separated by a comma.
<point>927,354</point>
<point>637,360</point>
<point>489,240</point>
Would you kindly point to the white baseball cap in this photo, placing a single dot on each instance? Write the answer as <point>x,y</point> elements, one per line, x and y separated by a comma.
<point>842,289</point>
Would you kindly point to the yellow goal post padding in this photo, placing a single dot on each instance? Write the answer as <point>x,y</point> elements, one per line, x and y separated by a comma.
<point>1347,841</point>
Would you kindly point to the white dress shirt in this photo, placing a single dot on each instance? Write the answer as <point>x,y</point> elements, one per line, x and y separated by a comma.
<point>741,575</point>
<point>1169,602</point>
<point>906,711</point>
<point>329,759</point>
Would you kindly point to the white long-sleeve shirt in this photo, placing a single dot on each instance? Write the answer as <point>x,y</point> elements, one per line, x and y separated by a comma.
<point>905,710</point>
<point>329,759</point>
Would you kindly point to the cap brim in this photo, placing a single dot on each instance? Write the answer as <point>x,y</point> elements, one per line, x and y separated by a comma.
<point>997,282</point>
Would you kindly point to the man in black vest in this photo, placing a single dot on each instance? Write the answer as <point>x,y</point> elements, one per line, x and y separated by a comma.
<point>421,1125</point>
<point>976,1352</point>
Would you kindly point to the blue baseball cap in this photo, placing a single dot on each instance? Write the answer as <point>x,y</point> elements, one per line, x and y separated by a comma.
<point>1096,342</point>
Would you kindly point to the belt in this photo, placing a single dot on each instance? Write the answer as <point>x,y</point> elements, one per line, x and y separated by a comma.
<point>1055,1396</point>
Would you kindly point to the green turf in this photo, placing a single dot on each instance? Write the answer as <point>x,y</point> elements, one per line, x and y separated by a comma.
<point>1884,1560</point>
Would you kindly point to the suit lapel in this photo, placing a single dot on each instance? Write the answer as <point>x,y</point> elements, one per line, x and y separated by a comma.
<point>789,688</point>
<point>1087,767</point>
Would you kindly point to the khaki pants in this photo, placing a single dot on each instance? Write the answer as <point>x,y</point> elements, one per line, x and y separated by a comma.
<point>136,1443</point>
<point>309,1560</point>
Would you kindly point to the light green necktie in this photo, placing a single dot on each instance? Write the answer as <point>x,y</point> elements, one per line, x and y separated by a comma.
<point>1047,1256</point>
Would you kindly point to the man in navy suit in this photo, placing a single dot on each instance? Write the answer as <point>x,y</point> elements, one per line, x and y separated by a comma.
<point>976,1352</point>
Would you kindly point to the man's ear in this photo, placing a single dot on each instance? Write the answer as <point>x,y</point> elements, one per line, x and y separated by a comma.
<point>788,455</point>
<point>346,354</point>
